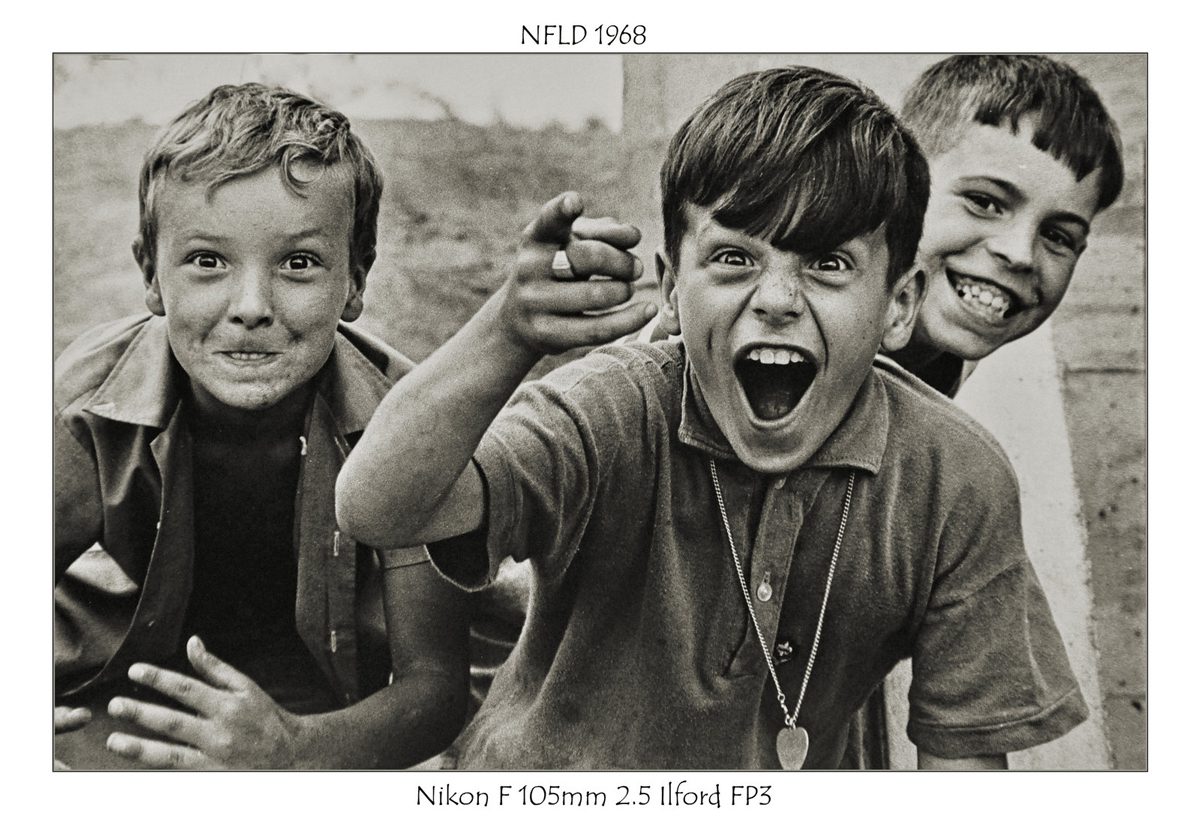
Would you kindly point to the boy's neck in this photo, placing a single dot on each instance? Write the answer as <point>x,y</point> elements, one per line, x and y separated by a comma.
<point>935,366</point>
<point>917,355</point>
<point>210,414</point>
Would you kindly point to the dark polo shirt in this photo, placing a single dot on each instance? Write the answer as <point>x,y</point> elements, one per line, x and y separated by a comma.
<point>638,651</point>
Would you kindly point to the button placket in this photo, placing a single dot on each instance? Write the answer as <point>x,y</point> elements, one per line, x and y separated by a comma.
<point>778,529</point>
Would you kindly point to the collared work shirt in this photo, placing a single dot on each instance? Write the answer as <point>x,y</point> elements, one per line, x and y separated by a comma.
<point>122,471</point>
<point>639,651</point>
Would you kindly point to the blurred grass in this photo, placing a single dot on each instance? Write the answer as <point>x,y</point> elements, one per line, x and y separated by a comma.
<point>456,197</point>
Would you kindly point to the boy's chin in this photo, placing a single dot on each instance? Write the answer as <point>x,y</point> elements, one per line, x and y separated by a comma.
<point>953,340</point>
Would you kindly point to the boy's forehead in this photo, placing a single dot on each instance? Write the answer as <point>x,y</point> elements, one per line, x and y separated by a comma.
<point>1012,159</point>
<point>703,225</point>
<point>973,142</point>
<point>304,178</point>
<point>324,196</point>
<point>257,208</point>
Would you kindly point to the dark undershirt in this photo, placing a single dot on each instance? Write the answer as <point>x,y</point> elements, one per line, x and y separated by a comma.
<point>243,599</point>
<point>943,372</point>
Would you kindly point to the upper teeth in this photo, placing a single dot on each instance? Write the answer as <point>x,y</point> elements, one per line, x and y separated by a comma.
<point>247,355</point>
<point>774,354</point>
<point>983,295</point>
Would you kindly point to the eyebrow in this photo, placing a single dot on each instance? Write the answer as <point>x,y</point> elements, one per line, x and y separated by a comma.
<point>295,237</point>
<point>316,231</point>
<point>1015,193</point>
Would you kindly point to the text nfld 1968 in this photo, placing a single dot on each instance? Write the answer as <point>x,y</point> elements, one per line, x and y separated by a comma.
<point>577,34</point>
<point>670,794</point>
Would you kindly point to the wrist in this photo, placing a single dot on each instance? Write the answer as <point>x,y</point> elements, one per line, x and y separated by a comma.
<point>303,735</point>
<point>507,348</point>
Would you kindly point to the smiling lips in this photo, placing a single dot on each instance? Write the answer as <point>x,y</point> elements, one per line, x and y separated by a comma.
<point>242,356</point>
<point>774,379</point>
<point>984,298</point>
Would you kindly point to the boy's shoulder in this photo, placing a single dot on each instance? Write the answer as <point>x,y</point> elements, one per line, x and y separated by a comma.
<point>655,369</point>
<point>924,421</point>
<point>91,358</point>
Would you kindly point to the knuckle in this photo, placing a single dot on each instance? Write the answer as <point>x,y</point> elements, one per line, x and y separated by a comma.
<point>222,743</point>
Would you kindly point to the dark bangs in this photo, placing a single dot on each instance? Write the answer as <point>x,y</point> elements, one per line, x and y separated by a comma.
<point>802,158</point>
<point>1070,121</point>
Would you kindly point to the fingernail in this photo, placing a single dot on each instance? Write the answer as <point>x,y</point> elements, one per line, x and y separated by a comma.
<point>137,672</point>
<point>117,743</point>
<point>650,310</point>
<point>571,202</point>
<point>116,707</point>
<point>638,268</point>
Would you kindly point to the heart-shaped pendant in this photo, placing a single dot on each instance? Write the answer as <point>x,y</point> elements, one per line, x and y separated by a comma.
<point>791,745</point>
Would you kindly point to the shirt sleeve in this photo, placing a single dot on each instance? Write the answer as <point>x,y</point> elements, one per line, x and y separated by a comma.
<point>393,558</point>
<point>78,511</point>
<point>544,463</point>
<point>990,671</point>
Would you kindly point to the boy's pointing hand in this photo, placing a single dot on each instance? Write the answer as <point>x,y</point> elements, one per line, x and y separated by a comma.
<point>549,314</point>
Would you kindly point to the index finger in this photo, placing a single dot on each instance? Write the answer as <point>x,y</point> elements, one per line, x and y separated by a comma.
<point>186,690</point>
<point>553,222</point>
<point>621,235</point>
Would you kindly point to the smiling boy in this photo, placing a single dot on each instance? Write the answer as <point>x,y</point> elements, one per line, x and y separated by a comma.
<point>733,536</point>
<point>1022,156</point>
<point>195,457</point>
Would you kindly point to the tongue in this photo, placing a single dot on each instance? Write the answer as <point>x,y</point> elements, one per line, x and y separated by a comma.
<point>771,402</point>
<point>773,391</point>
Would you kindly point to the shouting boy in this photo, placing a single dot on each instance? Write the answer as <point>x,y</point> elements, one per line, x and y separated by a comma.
<point>195,456</point>
<point>736,535</point>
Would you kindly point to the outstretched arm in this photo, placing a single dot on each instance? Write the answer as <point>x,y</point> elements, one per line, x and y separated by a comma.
<point>410,480</point>
<point>229,722</point>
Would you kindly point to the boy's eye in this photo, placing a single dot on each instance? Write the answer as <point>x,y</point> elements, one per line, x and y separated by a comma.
<point>982,203</point>
<point>733,257</point>
<point>1062,239</point>
<point>833,263</point>
<point>298,262</point>
<point>205,260</point>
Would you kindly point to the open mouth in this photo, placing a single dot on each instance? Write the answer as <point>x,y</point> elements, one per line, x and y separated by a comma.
<point>984,298</point>
<point>248,357</point>
<point>774,379</point>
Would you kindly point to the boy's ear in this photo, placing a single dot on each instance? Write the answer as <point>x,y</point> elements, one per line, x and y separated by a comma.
<point>354,296</point>
<point>153,296</point>
<point>908,293</point>
<point>668,315</point>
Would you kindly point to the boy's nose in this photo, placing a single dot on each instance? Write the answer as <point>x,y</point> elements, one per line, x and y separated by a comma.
<point>250,305</point>
<point>777,298</point>
<point>1014,245</point>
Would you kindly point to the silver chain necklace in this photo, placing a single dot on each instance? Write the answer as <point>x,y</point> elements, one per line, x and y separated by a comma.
<point>791,744</point>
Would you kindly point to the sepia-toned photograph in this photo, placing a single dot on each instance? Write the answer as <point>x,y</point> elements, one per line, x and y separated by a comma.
<point>475,412</point>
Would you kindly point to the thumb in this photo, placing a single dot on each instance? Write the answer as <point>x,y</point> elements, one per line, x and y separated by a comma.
<point>553,222</point>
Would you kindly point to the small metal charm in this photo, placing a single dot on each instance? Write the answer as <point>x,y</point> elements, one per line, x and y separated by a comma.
<point>791,745</point>
<point>784,652</point>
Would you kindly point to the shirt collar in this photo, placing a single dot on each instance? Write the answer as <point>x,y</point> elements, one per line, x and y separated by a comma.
<point>857,443</point>
<point>143,388</point>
